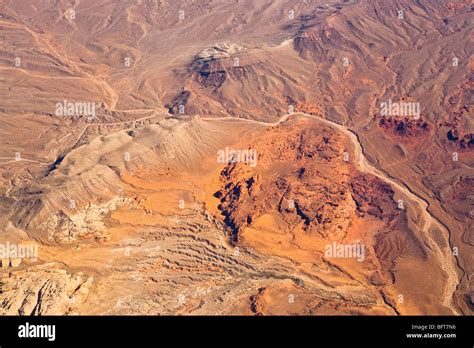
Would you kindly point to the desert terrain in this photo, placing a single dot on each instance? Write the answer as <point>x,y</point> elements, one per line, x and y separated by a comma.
<point>267,157</point>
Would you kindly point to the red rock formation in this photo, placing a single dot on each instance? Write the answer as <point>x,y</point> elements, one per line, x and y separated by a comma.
<point>256,302</point>
<point>305,171</point>
<point>374,197</point>
<point>211,74</point>
<point>405,127</point>
<point>462,140</point>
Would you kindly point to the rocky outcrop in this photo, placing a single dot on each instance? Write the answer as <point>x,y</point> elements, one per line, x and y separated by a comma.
<point>256,302</point>
<point>210,65</point>
<point>307,184</point>
<point>460,138</point>
<point>374,197</point>
<point>463,141</point>
<point>86,223</point>
<point>211,74</point>
<point>42,290</point>
<point>405,127</point>
<point>179,103</point>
